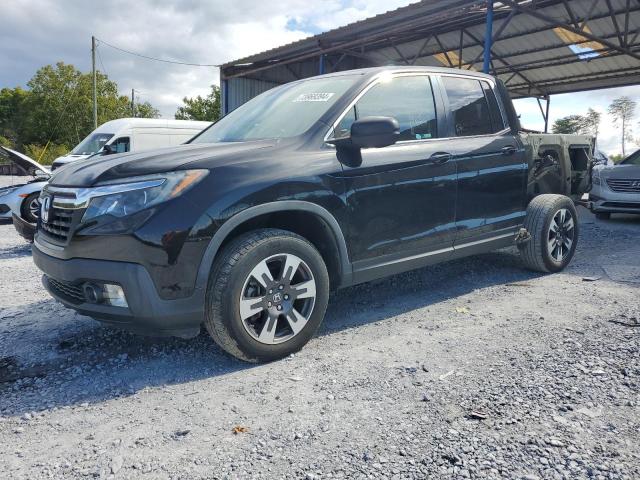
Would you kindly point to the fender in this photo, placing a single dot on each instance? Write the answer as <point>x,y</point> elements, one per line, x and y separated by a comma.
<point>252,212</point>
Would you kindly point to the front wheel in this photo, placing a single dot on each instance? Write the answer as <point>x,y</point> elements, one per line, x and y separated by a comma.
<point>267,295</point>
<point>552,222</point>
<point>30,209</point>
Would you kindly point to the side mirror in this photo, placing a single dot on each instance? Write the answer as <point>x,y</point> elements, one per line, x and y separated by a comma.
<point>370,132</point>
<point>107,149</point>
<point>375,132</point>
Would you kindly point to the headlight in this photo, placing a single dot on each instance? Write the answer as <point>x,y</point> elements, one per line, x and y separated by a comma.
<point>596,180</point>
<point>135,194</point>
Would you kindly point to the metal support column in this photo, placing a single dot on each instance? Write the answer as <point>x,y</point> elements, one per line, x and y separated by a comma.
<point>321,65</point>
<point>224,93</point>
<point>488,38</point>
<point>546,115</point>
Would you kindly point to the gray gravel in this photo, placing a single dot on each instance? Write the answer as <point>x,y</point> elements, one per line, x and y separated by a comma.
<point>471,369</point>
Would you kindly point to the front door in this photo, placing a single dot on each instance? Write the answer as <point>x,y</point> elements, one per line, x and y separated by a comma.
<point>401,198</point>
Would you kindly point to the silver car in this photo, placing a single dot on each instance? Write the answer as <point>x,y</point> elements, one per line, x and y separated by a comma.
<point>23,199</point>
<point>616,188</point>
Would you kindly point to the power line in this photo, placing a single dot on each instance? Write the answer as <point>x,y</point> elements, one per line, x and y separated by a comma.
<point>158,59</point>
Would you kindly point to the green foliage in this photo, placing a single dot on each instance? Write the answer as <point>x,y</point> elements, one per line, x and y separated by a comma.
<point>47,154</point>
<point>5,142</point>
<point>588,124</point>
<point>58,109</point>
<point>572,124</point>
<point>617,158</point>
<point>198,108</point>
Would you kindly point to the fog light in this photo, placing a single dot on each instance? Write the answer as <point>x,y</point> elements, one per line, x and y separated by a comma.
<point>114,295</point>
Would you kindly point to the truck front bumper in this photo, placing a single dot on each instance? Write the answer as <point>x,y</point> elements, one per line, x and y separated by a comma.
<point>72,281</point>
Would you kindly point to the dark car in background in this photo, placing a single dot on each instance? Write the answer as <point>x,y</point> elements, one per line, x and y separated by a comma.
<point>312,186</point>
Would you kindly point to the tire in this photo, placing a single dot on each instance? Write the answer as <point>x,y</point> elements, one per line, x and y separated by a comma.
<point>550,248</point>
<point>27,208</point>
<point>264,320</point>
<point>603,215</point>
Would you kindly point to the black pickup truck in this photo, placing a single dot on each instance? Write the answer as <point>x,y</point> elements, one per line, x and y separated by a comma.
<point>311,186</point>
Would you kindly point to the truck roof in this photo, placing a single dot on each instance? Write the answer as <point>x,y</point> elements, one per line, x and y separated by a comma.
<point>400,68</point>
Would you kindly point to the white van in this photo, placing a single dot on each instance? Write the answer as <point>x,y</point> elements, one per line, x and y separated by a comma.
<point>133,134</point>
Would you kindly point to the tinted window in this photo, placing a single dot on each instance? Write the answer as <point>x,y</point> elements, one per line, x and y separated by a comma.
<point>408,99</point>
<point>633,159</point>
<point>497,122</point>
<point>121,145</point>
<point>468,106</point>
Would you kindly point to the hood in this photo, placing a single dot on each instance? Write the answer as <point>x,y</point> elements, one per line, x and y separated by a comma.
<point>28,165</point>
<point>620,172</point>
<point>101,168</point>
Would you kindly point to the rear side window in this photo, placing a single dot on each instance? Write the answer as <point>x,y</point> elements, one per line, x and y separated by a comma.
<point>407,99</point>
<point>497,120</point>
<point>469,107</point>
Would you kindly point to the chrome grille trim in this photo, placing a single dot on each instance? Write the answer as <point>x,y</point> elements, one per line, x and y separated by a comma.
<point>627,185</point>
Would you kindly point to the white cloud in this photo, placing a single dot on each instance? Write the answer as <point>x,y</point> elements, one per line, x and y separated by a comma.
<point>41,32</point>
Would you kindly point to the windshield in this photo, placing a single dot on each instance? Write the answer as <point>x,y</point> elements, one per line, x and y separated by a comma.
<point>282,112</point>
<point>633,159</point>
<point>92,144</point>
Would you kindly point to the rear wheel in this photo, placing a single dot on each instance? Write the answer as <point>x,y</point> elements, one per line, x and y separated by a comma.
<point>552,222</point>
<point>267,295</point>
<point>30,208</point>
<point>603,215</point>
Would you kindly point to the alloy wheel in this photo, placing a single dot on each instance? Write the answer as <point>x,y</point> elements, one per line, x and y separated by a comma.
<point>561,234</point>
<point>277,298</point>
<point>34,207</point>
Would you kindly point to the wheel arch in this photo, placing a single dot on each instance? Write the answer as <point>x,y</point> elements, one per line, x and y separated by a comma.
<point>304,218</point>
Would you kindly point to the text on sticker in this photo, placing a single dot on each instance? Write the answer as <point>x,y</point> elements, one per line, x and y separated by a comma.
<point>314,97</point>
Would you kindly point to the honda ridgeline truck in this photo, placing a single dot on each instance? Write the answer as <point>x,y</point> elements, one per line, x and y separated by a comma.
<point>312,186</point>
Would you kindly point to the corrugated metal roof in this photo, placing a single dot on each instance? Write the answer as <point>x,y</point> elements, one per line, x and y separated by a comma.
<point>530,52</point>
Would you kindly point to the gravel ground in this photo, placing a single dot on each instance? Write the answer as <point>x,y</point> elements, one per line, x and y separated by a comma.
<point>470,369</point>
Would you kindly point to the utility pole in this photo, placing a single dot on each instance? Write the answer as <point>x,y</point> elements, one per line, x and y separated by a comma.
<point>133,105</point>
<point>95,93</point>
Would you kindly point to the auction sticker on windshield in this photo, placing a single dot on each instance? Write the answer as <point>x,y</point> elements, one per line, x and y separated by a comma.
<point>314,97</point>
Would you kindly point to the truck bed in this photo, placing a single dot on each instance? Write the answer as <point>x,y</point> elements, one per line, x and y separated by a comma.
<point>558,163</point>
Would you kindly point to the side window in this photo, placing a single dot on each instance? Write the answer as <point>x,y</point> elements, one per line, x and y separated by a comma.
<point>121,145</point>
<point>497,121</point>
<point>407,99</point>
<point>468,106</point>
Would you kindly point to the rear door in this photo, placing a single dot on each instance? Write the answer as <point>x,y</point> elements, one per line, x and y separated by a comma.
<point>401,198</point>
<point>491,162</point>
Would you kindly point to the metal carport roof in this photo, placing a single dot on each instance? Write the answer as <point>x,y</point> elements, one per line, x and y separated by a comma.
<point>538,47</point>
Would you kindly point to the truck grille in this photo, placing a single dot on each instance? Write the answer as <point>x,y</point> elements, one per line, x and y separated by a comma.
<point>624,185</point>
<point>63,213</point>
<point>59,224</point>
<point>67,290</point>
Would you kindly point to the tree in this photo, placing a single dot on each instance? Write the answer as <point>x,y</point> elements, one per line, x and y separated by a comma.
<point>623,109</point>
<point>198,108</point>
<point>571,124</point>
<point>56,112</point>
<point>591,123</point>
<point>616,158</point>
<point>146,110</point>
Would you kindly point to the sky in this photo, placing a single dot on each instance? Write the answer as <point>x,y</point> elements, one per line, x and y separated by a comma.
<point>40,32</point>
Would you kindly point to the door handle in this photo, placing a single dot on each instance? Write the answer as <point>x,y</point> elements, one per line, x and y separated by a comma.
<point>508,150</point>
<point>440,157</point>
